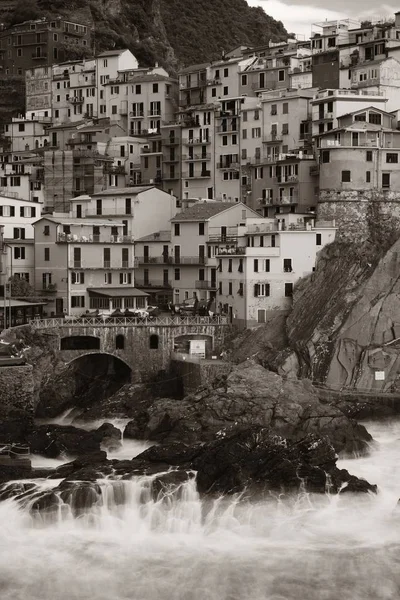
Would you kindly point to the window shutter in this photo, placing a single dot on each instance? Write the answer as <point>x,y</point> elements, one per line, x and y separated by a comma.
<point>73,277</point>
<point>82,277</point>
<point>256,265</point>
<point>121,278</point>
<point>267,289</point>
<point>267,265</point>
<point>256,290</point>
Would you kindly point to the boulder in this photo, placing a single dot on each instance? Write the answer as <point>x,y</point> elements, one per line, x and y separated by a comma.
<point>252,395</point>
<point>55,440</point>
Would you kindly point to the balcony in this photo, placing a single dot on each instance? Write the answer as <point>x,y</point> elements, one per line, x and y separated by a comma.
<point>206,156</point>
<point>273,138</point>
<point>70,238</point>
<point>76,99</point>
<point>41,56</point>
<point>202,175</point>
<point>205,285</point>
<point>232,250</point>
<point>287,199</point>
<point>153,283</point>
<point>233,166</point>
<point>196,141</point>
<point>114,169</point>
<point>155,260</point>
<point>289,179</point>
<point>228,128</point>
<point>136,114</point>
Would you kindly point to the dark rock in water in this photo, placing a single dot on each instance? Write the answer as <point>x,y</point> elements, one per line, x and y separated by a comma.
<point>47,501</point>
<point>134,430</point>
<point>171,454</point>
<point>15,490</point>
<point>169,484</point>
<point>53,440</point>
<point>13,469</point>
<point>80,496</point>
<point>252,395</point>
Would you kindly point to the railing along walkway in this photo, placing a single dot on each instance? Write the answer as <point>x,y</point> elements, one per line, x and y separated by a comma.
<point>127,322</point>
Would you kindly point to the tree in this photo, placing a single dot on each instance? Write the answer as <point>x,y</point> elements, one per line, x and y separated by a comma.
<point>20,288</point>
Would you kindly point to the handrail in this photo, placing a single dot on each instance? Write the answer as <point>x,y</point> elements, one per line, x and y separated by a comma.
<point>109,321</point>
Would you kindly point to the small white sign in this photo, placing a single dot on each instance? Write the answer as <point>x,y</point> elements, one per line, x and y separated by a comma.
<point>379,375</point>
<point>198,348</point>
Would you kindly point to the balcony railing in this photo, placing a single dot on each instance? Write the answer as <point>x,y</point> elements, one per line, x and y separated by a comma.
<point>114,169</point>
<point>231,250</point>
<point>206,156</point>
<point>127,321</point>
<point>235,166</point>
<point>228,128</point>
<point>272,138</point>
<point>205,285</point>
<point>152,283</point>
<point>171,260</point>
<point>196,141</point>
<point>70,238</point>
<point>202,175</point>
<point>136,114</point>
<point>288,179</point>
<point>76,99</point>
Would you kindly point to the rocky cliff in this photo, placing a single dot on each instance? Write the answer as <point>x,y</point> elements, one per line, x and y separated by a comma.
<point>345,323</point>
<point>173,32</point>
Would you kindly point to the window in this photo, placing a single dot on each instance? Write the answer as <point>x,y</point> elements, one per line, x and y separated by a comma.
<point>261,289</point>
<point>285,108</point>
<point>318,239</point>
<point>281,75</point>
<point>261,315</point>
<point>77,301</point>
<point>326,156</point>
<point>177,274</point>
<point>46,230</point>
<point>214,92</point>
<point>392,157</point>
<point>226,72</point>
<point>368,176</point>
<point>230,290</point>
<point>244,134</point>
<point>201,228</point>
<point>288,290</point>
<point>19,233</point>
<point>230,265</point>
<point>105,63</point>
<point>77,277</point>
<point>267,265</point>
<point>346,176</point>
<point>285,128</point>
<point>138,89</point>
<point>47,254</point>
<point>244,80</point>
<point>119,342</point>
<point>21,127</point>
<point>386,180</point>
<point>256,265</point>
<point>234,139</point>
<point>153,342</point>
<point>177,229</point>
<point>226,90</point>
<point>369,156</point>
<point>125,278</point>
<point>114,109</point>
<point>220,288</point>
<point>155,88</point>
<point>224,140</point>
<point>256,132</point>
<point>19,252</point>
<point>375,118</point>
<point>287,265</point>
<point>108,278</point>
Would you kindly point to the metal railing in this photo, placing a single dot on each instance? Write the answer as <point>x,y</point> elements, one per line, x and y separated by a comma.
<point>205,285</point>
<point>66,238</point>
<point>127,321</point>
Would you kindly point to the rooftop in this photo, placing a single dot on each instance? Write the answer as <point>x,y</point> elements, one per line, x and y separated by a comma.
<point>117,292</point>
<point>127,191</point>
<point>202,211</point>
<point>71,221</point>
<point>111,53</point>
<point>158,236</point>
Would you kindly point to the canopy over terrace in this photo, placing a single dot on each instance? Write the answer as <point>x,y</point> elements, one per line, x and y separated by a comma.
<point>19,312</point>
<point>113,298</point>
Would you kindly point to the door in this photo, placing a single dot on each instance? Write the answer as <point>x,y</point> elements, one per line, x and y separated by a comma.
<point>202,255</point>
<point>96,233</point>
<point>177,255</point>
<point>223,234</point>
<point>79,211</point>
<point>99,207</point>
<point>213,278</point>
<point>165,254</point>
<point>59,306</point>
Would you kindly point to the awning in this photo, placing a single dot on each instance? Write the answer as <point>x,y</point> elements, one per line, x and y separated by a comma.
<point>19,303</point>
<point>128,292</point>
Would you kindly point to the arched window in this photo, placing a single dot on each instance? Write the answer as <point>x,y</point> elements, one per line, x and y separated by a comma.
<point>154,342</point>
<point>119,342</point>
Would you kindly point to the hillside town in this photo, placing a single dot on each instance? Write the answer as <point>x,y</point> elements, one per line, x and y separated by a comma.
<point>123,187</point>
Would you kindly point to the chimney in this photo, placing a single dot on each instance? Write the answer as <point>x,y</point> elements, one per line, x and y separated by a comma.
<point>156,65</point>
<point>397,19</point>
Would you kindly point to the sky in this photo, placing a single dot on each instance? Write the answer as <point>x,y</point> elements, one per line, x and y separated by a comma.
<point>298,15</point>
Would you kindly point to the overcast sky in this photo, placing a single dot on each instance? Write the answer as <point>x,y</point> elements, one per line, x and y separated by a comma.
<point>298,15</point>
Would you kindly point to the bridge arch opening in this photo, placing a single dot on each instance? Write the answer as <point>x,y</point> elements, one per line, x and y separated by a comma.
<point>120,342</point>
<point>154,342</point>
<point>80,342</point>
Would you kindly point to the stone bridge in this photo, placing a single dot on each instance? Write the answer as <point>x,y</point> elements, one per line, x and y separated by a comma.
<point>146,346</point>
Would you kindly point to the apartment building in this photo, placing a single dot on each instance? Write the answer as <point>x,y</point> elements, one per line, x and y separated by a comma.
<point>196,234</point>
<point>362,153</point>
<point>40,43</point>
<point>172,148</point>
<point>24,134</point>
<point>85,264</point>
<point>261,263</point>
<point>152,100</point>
<point>23,177</point>
<point>17,217</point>
<point>142,209</point>
<point>154,271</point>
<point>328,105</point>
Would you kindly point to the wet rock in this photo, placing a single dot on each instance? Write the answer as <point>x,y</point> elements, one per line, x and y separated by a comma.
<point>81,496</point>
<point>55,440</point>
<point>15,490</point>
<point>252,395</point>
<point>170,484</point>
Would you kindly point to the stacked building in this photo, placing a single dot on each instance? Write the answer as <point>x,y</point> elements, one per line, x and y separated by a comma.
<point>222,183</point>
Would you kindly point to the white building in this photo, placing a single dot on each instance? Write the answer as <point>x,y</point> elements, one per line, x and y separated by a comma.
<point>262,262</point>
<point>16,217</point>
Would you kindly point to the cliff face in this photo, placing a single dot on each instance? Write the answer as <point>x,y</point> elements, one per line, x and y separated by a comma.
<point>345,321</point>
<point>172,32</point>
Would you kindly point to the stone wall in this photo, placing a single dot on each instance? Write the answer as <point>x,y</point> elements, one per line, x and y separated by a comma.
<point>16,392</point>
<point>195,373</point>
<point>362,215</point>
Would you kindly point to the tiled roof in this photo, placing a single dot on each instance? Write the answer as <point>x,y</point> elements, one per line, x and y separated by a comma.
<point>112,52</point>
<point>128,191</point>
<point>158,236</point>
<point>71,221</point>
<point>202,211</point>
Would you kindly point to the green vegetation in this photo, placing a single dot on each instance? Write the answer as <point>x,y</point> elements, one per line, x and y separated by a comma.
<point>173,32</point>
